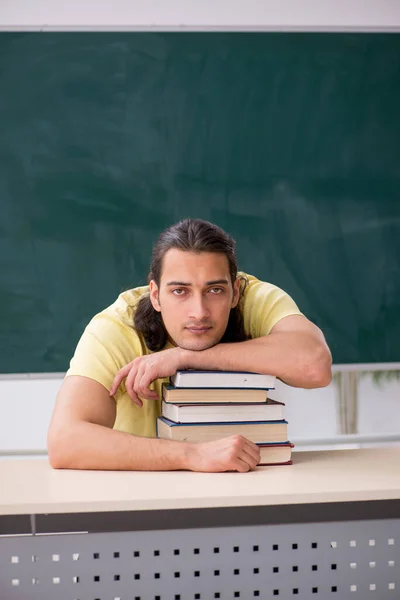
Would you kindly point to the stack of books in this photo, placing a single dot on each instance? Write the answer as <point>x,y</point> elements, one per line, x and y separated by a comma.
<point>201,406</point>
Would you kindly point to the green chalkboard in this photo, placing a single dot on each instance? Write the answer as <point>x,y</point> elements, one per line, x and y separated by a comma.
<point>290,141</point>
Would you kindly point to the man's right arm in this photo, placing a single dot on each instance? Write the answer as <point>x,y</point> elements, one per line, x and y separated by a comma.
<point>81,437</point>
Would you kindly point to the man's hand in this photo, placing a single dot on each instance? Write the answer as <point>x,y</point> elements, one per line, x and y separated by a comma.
<point>233,453</point>
<point>142,371</point>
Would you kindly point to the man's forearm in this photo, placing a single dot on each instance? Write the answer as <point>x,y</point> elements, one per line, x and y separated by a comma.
<point>85,445</point>
<point>294,357</point>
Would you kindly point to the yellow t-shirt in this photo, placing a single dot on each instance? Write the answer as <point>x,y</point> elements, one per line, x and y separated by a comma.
<point>110,341</point>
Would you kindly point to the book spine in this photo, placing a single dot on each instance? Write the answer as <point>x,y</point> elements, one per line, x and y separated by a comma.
<point>277,464</point>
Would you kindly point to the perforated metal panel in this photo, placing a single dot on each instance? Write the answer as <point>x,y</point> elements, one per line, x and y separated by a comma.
<point>346,560</point>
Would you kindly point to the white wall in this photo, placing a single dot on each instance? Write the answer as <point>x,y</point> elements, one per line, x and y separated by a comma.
<point>26,406</point>
<point>202,14</point>
<point>378,407</point>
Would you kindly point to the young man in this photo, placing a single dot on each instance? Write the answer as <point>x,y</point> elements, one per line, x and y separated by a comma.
<point>197,312</point>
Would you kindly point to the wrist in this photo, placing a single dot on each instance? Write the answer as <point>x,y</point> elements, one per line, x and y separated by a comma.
<point>188,456</point>
<point>186,359</point>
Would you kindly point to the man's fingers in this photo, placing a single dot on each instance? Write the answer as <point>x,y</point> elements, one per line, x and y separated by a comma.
<point>149,394</point>
<point>144,385</point>
<point>138,377</point>
<point>246,452</point>
<point>130,385</point>
<point>242,466</point>
<point>251,459</point>
<point>142,382</point>
<point>122,373</point>
<point>241,443</point>
<point>252,450</point>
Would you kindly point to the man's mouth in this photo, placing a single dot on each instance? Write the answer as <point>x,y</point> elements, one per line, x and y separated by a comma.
<point>198,330</point>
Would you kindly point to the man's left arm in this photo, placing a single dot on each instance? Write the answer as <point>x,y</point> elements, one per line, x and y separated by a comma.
<point>295,351</point>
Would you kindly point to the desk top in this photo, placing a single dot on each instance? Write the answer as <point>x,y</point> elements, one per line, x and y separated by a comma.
<point>33,487</point>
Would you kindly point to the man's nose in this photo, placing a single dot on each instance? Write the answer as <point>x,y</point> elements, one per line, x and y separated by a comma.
<point>198,308</point>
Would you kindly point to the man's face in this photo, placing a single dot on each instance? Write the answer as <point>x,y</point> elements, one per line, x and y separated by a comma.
<point>195,297</point>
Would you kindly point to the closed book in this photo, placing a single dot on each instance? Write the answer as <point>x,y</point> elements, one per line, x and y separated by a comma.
<point>176,395</point>
<point>229,413</point>
<point>226,379</point>
<point>275,454</point>
<point>256,431</point>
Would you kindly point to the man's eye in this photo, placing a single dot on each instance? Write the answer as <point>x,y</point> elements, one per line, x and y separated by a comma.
<point>178,292</point>
<point>216,290</point>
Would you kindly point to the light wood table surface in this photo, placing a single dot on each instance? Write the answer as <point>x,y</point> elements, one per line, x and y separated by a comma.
<point>32,486</point>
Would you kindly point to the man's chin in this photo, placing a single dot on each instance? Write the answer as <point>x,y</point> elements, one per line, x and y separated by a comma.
<point>197,345</point>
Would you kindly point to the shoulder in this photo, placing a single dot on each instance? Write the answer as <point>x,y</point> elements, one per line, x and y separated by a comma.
<point>257,290</point>
<point>109,341</point>
<point>263,304</point>
<point>124,308</point>
<point>117,319</point>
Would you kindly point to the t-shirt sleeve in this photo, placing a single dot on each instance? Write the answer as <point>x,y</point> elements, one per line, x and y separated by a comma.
<point>104,347</point>
<point>264,305</point>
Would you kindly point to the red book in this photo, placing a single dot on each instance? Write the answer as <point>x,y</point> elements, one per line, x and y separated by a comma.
<point>275,454</point>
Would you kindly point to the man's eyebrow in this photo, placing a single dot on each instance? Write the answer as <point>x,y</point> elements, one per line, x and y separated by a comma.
<point>188,284</point>
<point>185,283</point>
<point>217,281</point>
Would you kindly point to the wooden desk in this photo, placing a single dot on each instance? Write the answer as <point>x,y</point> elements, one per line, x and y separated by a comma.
<point>315,527</point>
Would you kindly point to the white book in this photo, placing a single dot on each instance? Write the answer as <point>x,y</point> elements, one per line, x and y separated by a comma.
<point>222,379</point>
<point>258,432</point>
<point>228,413</point>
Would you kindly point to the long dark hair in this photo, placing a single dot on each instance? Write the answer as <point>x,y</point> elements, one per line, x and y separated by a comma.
<point>190,235</point>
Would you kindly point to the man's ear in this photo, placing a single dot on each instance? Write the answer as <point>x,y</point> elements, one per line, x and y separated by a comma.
<point>154,296</point>
<point>236,293</point>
